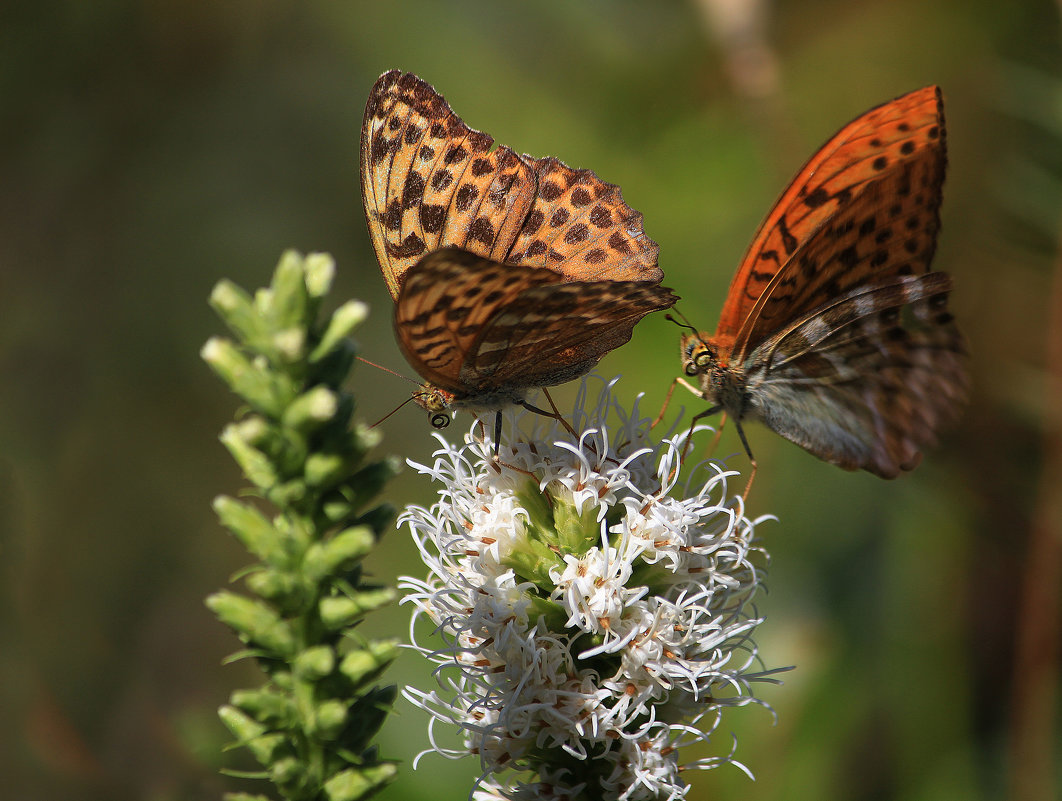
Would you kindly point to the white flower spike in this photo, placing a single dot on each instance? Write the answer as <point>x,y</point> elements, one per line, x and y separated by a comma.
<point>596,615</point>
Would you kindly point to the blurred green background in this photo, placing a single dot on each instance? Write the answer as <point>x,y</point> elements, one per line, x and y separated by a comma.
<point>150,149</point>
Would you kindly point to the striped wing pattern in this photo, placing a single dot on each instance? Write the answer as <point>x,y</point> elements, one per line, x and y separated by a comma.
<point>475,327</point>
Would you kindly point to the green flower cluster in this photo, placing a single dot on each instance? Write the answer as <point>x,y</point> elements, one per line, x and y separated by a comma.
<point>312,723</point>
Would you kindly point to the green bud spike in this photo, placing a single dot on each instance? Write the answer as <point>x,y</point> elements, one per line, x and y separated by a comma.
<point>314,663</point>
<point>256,623</point>
<point>305,454</point>
<point>354,783</point>
<point>329,557</point>
<point>343,322</point>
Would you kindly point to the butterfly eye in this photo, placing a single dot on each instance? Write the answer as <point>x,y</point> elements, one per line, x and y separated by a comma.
<point>440,420</point>
<point>703,359</point>
<point>698,359</point>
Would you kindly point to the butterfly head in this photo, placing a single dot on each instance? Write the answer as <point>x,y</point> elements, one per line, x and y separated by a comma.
<point>436,402</point>
<point>699,354</point>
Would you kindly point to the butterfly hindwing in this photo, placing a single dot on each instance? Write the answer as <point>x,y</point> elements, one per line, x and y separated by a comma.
<point>866,381</point>
<point>554,332</point>
<point>446,301</point>
<point>464,321</point>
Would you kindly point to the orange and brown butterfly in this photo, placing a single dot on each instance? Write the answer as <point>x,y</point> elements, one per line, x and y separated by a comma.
<point>835,333</point>
<point>509,273</point>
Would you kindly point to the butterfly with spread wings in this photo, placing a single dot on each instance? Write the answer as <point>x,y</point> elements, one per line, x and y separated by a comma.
<point>509,273</point>
<point>835,334</point>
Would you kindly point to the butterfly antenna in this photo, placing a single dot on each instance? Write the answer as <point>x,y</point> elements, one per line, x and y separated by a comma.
<point>399,406</point>
<point>683,323</point>
<point>392,372</point>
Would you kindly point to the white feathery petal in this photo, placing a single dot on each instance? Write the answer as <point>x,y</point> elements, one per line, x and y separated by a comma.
<point>593,601</point>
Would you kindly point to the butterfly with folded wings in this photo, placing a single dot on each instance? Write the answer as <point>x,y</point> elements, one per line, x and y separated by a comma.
<point>509,273</point>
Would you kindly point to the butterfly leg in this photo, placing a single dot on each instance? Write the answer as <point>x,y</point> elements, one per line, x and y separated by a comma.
<point>741,435</point>
<point>479,432</point>
<point>567,426</point>
<point>718,436</point>
<point>555,415</point>
<point>689,434</point>
<point>496,463</point>
<point>693,423</point>
<point>667,398</point>
<point>482,431</point>
<point>497,432</point>
<point>752,459</point>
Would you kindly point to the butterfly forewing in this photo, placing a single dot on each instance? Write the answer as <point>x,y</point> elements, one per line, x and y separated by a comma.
<point>580,227</point>
<point>428,180</point>
<point>890,228</point>
<point>880,173</point>
<point>868,380</point>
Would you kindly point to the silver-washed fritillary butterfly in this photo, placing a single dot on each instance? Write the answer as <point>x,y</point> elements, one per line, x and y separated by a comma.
<point>508,272</point>
<point>835,334</point>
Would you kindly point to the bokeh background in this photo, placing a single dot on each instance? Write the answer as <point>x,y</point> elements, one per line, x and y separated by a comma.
<point>151,148</point>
